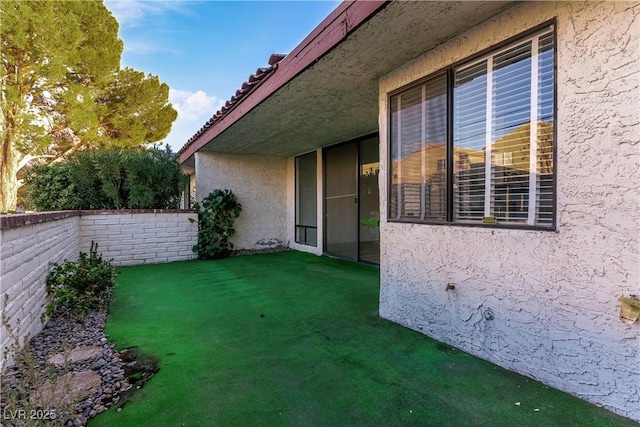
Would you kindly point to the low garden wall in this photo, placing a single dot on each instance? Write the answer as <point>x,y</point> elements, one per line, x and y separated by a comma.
<point>140,237</point>
<point>29,242</point>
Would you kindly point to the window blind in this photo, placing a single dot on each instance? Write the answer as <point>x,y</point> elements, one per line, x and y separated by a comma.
<point>419,136</point>
<point>502,141</point>
<point>503,121</point>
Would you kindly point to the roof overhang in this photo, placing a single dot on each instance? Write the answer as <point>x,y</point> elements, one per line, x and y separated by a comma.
<point>326,90</point>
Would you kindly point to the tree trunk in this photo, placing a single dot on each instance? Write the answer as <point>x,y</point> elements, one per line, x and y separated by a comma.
<point>9,184</point>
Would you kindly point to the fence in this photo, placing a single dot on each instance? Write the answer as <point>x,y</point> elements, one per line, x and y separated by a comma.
<point>29,242</point>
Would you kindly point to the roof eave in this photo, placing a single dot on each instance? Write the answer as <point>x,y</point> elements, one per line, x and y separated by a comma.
<point>348,16</point>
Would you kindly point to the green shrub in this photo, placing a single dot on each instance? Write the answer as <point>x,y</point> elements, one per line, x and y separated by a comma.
<point>153,180</point>
<point>215,224</point>
<point>76,287</point>
<point>109,179</point>
<point>53,187</point>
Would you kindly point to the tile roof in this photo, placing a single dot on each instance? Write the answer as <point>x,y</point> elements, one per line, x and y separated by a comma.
<point>333,30</point>
<point>247,87</point>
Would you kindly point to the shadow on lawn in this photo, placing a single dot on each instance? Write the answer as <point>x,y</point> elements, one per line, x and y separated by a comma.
<point>138,369</point>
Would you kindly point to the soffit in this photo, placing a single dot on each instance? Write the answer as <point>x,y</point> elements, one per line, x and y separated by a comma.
<point>336,99</point>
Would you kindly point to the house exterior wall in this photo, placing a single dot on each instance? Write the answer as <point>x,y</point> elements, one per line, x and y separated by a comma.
<point>259,183</point>
<point>29,242</point>
<point>291,206</point>
<point>537,302</point>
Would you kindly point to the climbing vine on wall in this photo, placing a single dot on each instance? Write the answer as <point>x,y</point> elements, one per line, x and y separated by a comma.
<point>216,217</point>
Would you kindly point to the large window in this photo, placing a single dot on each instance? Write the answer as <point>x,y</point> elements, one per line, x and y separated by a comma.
<point>306,200</point>
<point>474,144</point>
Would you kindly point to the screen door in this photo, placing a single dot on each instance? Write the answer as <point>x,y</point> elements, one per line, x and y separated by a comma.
<point>341,201</point>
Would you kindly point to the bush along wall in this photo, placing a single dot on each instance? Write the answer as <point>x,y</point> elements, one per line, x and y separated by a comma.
<point>137,178</point>
<point>77,287</point>
<point>216,217</point>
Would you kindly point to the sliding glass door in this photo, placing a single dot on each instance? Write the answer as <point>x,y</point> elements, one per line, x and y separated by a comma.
<point>351,200</point>
<point>369,201</point>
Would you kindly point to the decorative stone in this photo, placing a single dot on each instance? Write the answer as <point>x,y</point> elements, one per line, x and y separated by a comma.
<point>98,364</point>
<point>68,389</point>
<point>91,391</point>
<point>78,354</point>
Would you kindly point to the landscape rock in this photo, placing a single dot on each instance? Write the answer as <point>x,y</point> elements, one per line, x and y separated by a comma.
<point>84,363</point>
<point>68,389</point>
<point>78,354</point>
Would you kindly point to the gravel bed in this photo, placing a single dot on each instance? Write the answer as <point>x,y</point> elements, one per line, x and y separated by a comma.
<point>59,336</point>
<point>242,252</point>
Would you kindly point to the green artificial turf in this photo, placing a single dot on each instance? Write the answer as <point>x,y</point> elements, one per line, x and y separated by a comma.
<point>292,339</point>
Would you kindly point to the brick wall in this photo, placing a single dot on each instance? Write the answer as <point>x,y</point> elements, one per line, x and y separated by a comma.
<point>25,253</point>
<point>140,238</point>
<point>29,242</point>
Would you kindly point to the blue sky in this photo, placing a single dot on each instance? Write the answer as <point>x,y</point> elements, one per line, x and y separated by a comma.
<point>205,50</point>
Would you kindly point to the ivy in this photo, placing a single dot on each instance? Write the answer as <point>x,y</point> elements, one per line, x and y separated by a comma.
<point>216,217</point>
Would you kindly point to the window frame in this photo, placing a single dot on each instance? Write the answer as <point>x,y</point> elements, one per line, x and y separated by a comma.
<point>449,71</point>
<point>296,202</point>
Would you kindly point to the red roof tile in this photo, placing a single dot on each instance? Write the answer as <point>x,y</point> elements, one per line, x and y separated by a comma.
<point>247,87</point>
<point>348,16</point>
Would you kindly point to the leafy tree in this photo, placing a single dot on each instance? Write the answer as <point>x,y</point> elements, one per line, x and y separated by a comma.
<point>109,179</point>
<point>134,108</point>
<point>62,88</point>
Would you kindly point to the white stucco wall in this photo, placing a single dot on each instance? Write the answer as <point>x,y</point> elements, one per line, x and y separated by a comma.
<point>291,206</point>
<point>552,296</point>
<point>259,183</point>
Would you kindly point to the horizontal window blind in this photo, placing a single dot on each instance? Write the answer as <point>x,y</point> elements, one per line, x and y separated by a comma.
<point>502,141</point>
<point>419,137</point>
<point>503,112</point>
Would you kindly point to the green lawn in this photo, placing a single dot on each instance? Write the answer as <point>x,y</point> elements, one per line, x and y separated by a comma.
<point>292,339</point>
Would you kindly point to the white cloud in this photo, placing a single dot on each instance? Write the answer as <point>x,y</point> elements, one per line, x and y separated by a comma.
<point>194,109</point>
<point>194,106</point>
<point>145,47</point>
<point>131,12</point>
<point>138,20</point>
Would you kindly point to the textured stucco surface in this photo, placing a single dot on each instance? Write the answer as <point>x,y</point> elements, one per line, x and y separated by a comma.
<point>291,206</point>
<point>259,183</point>
<point>541,303</point>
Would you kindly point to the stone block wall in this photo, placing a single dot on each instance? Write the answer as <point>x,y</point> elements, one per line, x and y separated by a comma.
<point>29,242</point>
<point>25,253</point>
<point>140,237</point>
